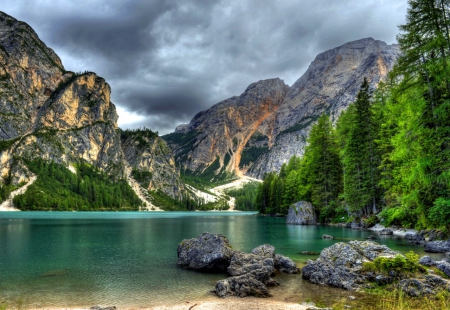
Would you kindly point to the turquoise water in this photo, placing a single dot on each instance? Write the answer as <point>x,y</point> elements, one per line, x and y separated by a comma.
<point>64,259</point>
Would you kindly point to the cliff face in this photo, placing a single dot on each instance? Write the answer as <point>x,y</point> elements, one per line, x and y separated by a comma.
<point>152,162</point>
<point>260,139</point>
<point>46,112</point>
<point>328,86</point>
<point>219,136</point>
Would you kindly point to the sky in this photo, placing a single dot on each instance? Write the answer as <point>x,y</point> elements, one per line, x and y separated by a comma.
<point>167,60</point>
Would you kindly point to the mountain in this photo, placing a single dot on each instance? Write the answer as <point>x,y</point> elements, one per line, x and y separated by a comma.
<point>48,113</point>
<point>260,130</point>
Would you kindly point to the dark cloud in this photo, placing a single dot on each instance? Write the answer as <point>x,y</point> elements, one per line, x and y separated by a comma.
<point>166,59</point>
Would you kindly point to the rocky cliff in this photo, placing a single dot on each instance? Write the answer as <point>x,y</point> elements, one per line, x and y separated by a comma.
<point>259,138</point>
<point>49,113</point>
<point>219,139</point>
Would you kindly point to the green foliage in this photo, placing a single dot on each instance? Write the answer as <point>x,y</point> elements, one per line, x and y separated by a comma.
<point>245,196</point>
<point>6,144</point>
<point>57,188</point>
<point>143,177</point>
<point>167,203</point>
<point>63,84</point>
<point>317,177</point>
<point>402,265</point>
<point>440,213</point>
<point>210,176</point>
<point>183,143</point>
<point>251,154</point>
<point>360,155</point>
<point>304,123</point>
<point>140,135</point>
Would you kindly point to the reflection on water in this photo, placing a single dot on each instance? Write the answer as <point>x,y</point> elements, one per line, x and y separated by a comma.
<point>129,259</point>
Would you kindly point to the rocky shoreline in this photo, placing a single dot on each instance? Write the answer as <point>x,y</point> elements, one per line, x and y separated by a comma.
<point>353,266</point>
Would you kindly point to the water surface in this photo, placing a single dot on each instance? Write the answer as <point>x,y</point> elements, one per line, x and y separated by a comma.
<point>128,259</point>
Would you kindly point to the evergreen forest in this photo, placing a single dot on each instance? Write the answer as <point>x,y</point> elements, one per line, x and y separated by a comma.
<point>388,154</point>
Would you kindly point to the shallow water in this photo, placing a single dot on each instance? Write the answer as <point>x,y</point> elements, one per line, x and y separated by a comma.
<point>128,259</point>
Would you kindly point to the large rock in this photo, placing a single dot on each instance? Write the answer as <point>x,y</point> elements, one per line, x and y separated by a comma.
<point>301,213</point>
<point>340,265</point>
<point>242,263</point>
<point>437,246</point>
<point>206,252</point>
<point>251,274</point>
<point>415,238</point>
<point>241,286</point>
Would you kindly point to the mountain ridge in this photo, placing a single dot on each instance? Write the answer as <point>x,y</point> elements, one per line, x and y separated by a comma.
<point>329,85</point>
<point>67,118</point>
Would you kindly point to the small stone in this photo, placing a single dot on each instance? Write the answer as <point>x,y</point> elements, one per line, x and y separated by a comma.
<point>371,237</point>
<point>325,236</point>
<point>351,297</point>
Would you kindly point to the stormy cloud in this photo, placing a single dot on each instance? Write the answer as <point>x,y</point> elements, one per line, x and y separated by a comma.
<point>166,60</point>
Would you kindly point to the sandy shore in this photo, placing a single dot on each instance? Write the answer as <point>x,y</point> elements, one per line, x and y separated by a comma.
<point>231,303</point>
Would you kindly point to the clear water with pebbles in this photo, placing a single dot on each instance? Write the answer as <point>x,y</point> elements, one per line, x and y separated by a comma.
<point>67,259</point>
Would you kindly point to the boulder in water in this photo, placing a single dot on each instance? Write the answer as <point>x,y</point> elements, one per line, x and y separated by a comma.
<point>301,213</point>
<point>206,252</point>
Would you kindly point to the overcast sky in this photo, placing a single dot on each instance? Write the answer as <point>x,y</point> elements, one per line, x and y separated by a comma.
<point>166,60</point>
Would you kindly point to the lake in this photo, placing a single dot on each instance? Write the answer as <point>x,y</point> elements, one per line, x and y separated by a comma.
<point>128,259</point>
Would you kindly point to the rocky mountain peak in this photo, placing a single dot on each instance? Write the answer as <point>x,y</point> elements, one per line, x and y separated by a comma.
<point>261,129</point>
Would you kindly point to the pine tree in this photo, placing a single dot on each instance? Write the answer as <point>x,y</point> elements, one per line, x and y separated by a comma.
<point>360,156</point>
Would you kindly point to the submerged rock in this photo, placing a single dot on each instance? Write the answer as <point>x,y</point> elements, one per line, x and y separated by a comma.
<point>310,253</point>
<point>206,252</point>
<point>385,231</point>
<point>301,213</point>
<point>325,236</point>
<point>437,246</point>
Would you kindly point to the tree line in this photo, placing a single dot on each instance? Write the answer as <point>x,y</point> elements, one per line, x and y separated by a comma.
<point>389,153</point>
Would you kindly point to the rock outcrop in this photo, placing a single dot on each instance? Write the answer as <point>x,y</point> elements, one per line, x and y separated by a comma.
<point>49,113</point>
<point>251,273</point>
<point>340,265</point>
<point>301,213</point>
<point>260,130</point>
<point>152,162</point>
